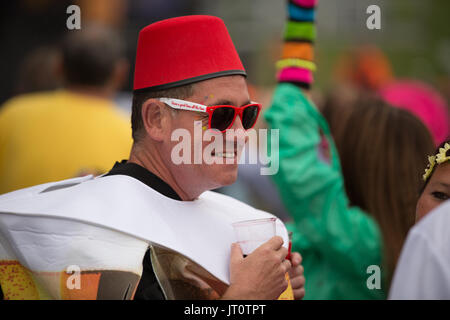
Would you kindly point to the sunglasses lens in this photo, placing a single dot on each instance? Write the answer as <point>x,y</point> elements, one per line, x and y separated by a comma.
<point>222,118</point>
<point>249,116</point>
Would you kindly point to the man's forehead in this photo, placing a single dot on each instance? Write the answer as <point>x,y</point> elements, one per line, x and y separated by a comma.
<point>229,90</point>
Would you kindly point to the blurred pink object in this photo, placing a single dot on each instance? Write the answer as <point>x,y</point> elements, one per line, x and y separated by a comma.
<point>424,102</point>
<point>305,3</point>
<point>295,74</point>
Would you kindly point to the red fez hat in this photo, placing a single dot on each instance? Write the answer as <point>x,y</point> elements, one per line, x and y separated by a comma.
<point>184,50</point>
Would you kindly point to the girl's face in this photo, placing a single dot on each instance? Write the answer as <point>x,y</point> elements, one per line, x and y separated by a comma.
<point>436,191</point>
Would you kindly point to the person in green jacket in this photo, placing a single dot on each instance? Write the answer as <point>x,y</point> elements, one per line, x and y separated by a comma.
<point>342,245</point>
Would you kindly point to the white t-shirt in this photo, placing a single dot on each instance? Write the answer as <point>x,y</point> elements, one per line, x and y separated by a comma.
<point>423,270</point>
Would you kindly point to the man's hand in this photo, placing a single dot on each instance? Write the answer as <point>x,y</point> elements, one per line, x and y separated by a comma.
<point>296,276</point>
<point>261,275</point>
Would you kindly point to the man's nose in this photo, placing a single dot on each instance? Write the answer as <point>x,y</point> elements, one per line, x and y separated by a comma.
<point>239,132</point>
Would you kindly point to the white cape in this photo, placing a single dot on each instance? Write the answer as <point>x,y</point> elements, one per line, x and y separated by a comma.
<point>423,269</point>
<point>200,230</point>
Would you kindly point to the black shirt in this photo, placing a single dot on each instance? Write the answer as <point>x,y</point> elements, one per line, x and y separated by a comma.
<point>148,288</point>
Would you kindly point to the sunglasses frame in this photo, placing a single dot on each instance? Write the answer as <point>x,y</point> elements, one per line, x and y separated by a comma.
<point>192,106</point>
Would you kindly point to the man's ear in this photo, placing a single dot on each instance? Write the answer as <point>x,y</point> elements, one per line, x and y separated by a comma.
<point>156,119</point>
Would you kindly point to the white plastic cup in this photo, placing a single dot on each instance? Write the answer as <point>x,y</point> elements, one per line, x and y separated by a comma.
<point>250,234</point>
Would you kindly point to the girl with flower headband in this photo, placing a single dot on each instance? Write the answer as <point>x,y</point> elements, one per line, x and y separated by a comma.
<point>436,178</point>
<point>422,271</point>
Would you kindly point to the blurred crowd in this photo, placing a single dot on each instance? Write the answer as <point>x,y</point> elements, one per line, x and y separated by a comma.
<point>65,111</point>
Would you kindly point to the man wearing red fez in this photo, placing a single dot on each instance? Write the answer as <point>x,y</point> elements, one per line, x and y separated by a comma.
<point>150,228</point>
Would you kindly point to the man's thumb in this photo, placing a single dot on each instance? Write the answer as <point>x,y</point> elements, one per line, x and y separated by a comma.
<point>236,253</point>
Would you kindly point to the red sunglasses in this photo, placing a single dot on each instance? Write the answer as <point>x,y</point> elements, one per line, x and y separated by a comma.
<point>220,117</point>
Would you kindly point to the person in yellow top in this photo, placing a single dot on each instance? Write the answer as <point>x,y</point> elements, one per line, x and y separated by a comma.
<point>78,130</point>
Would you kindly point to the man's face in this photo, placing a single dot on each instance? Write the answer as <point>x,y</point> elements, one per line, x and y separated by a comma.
<point>436,192</point>
<point>228,90</point>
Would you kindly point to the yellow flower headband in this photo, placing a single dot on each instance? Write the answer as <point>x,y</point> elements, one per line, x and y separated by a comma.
<point>442,156</point>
